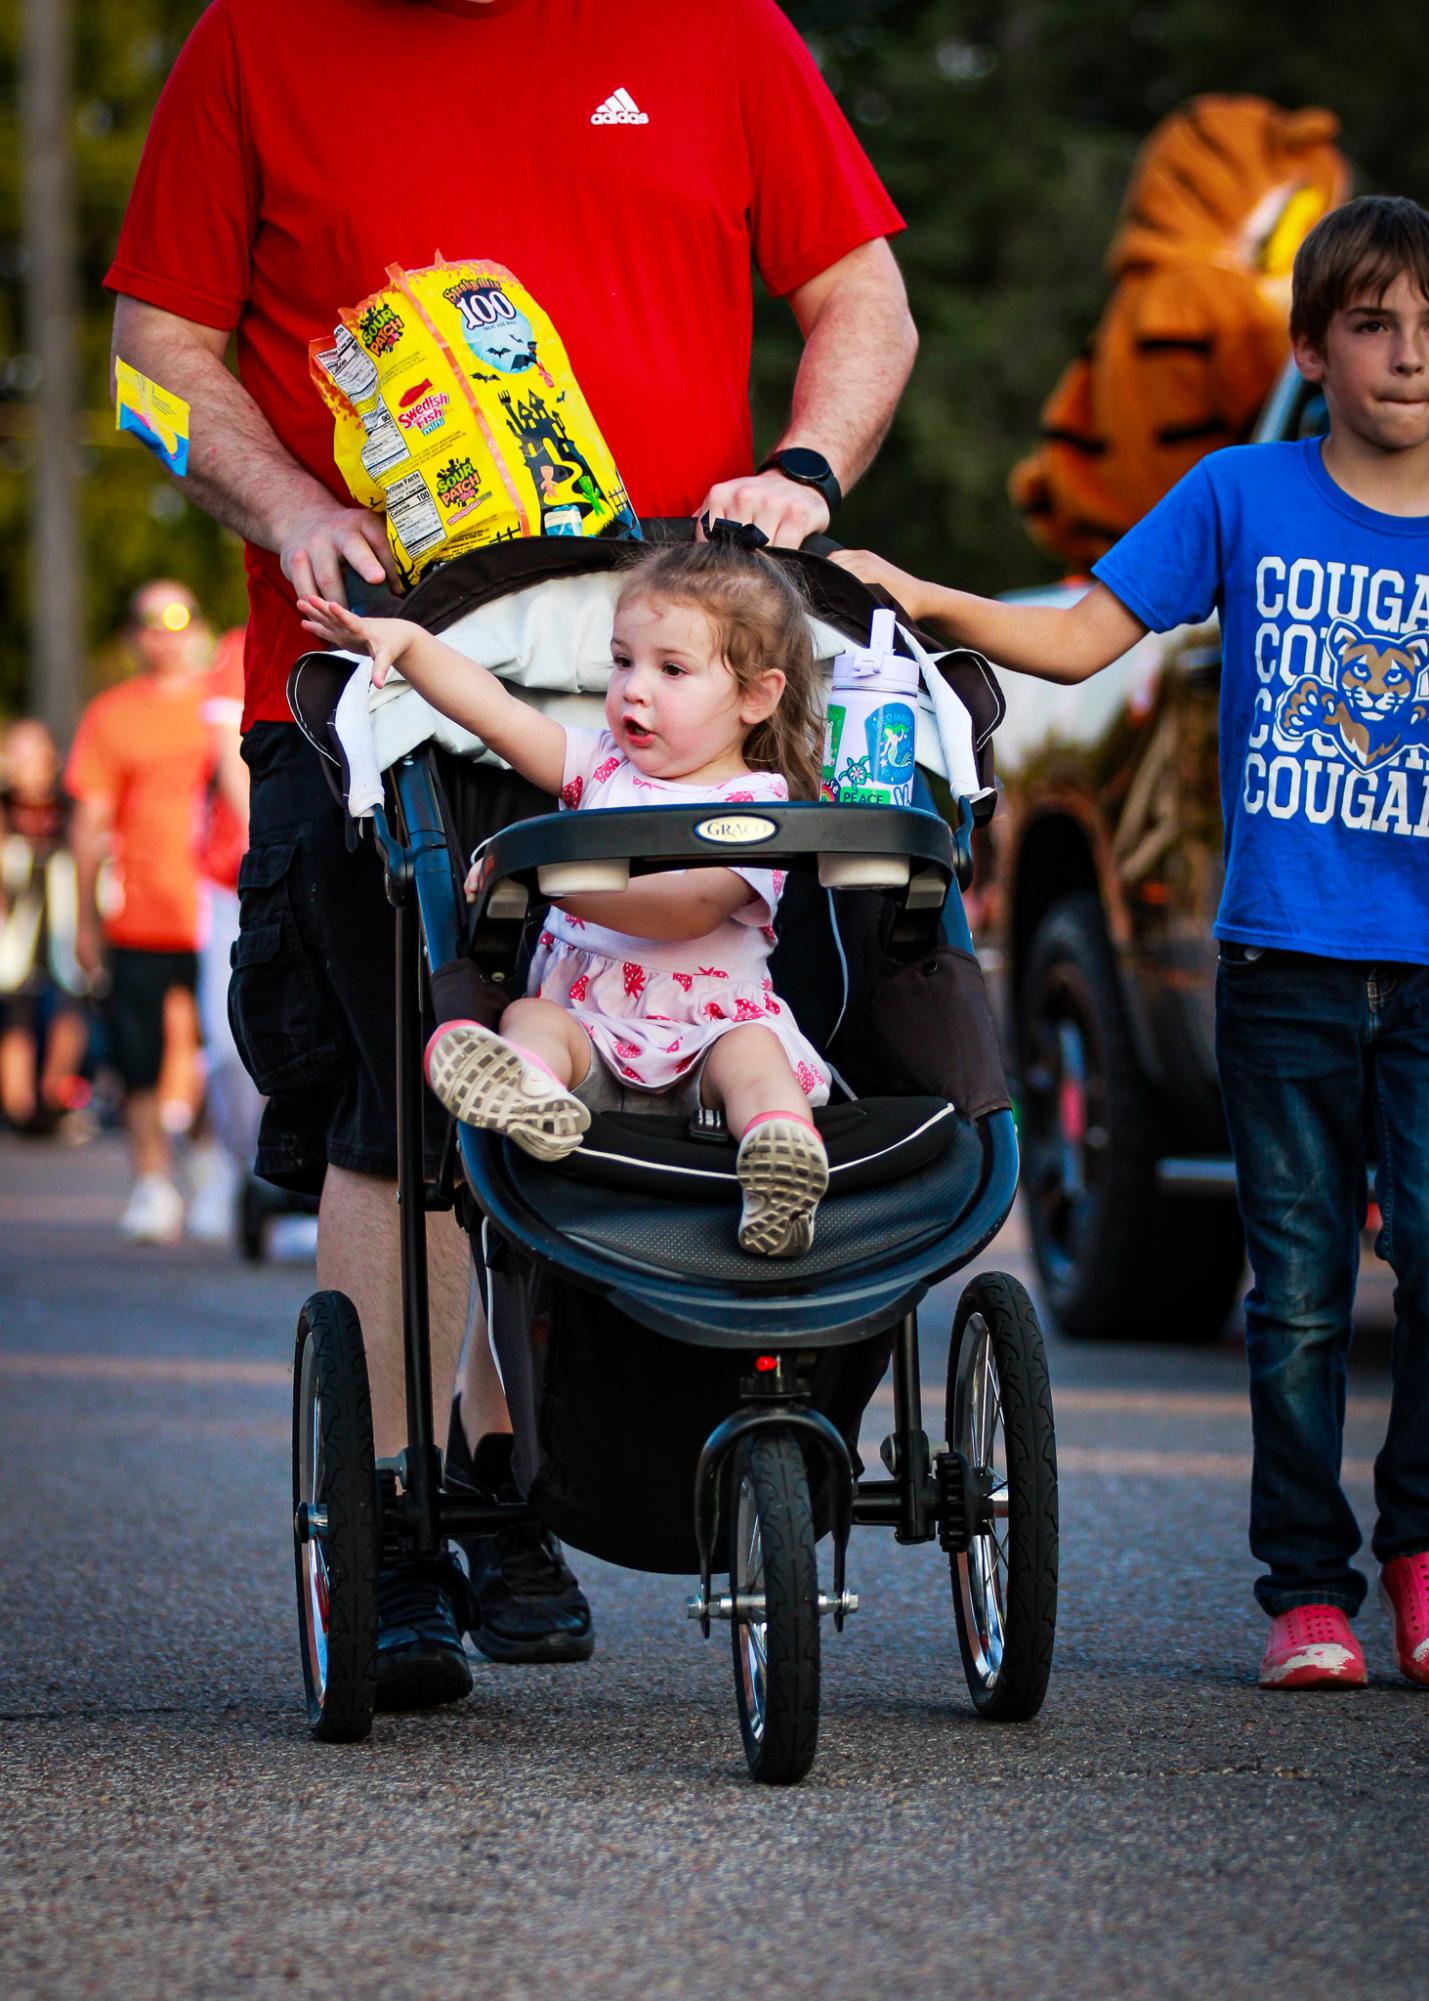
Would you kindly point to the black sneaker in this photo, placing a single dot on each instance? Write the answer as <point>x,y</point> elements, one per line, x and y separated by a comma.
<point>524,1602</point>
<point>420,1657</point>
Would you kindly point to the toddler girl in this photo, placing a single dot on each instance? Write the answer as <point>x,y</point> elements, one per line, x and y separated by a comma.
<point>660,988</point>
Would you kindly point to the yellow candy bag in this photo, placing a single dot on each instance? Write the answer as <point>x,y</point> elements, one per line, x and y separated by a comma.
<point>456,413</point>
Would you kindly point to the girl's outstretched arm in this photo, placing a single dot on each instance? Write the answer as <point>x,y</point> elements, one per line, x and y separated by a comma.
<point>1054,642</point>
<point>470,694</point>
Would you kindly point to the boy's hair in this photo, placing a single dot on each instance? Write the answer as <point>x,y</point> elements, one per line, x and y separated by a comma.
<point>1357,252</point>
<point>760,619</point>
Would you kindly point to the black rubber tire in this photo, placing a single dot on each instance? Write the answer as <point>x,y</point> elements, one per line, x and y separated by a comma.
<point>781,1751</point>
<point>330,1368</point>
<point>1014,1691</point>
<point>1118,1260</point>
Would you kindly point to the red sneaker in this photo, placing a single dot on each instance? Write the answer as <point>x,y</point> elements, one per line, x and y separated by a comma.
<point>1404,1587</point>
<point>1311,1646</point>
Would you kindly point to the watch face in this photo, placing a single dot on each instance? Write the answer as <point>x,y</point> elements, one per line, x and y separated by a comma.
<point>798,462</point>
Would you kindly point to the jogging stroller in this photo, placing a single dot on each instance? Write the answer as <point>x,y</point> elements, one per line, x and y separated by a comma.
<point>741,1381</point>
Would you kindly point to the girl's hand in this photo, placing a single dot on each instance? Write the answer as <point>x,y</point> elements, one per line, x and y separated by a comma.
<point>472,873</point>
<point>386,639</point>
<point>908,590</point>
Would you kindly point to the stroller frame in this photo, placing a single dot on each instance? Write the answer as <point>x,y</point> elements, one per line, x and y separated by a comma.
<point>348,1524</point>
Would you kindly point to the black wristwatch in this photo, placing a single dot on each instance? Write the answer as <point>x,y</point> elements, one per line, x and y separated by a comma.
<point>807,468</point>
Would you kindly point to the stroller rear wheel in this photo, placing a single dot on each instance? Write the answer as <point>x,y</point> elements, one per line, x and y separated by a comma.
<point>774,1583</point>
<point>1000,1420</point>
<point>335,1522</point>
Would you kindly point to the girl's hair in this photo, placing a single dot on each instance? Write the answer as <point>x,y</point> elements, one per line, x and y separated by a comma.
<point>760,619</point>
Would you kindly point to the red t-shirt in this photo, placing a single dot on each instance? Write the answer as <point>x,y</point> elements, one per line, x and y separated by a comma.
<point>624,161</point>
<point>225,831</point>
<point>143,752</point>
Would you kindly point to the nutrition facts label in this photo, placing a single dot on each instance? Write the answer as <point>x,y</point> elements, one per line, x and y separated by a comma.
<point>350,366</point>
<point>385,444</point>
<point>413,514</point>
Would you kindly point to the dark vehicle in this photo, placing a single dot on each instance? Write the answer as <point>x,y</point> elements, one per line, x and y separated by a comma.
<point>1097,885</point>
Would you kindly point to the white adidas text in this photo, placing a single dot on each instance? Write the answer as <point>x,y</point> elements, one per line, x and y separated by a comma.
<point>620,108</point>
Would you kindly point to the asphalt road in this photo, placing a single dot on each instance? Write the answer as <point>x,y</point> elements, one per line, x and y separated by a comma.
<point>167,1825</point>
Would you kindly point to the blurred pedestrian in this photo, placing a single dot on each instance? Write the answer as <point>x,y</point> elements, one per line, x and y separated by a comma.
<point>138,771</point>
<point>44,1030</point>
<point>234,1104</point>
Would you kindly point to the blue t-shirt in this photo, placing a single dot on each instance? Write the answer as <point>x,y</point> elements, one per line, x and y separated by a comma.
<point>1324,607</point>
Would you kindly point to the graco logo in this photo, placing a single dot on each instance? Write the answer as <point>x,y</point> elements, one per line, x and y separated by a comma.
<point>736,827</point>
<point>619,108</point>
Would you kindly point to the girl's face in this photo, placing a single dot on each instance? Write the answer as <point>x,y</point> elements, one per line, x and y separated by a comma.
<point>673,706</point>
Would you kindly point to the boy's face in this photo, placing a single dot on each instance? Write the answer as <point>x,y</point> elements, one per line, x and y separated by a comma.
<point>1374,368</point>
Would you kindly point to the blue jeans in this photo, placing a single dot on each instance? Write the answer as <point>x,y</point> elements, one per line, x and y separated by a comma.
<point>1315,1054</point>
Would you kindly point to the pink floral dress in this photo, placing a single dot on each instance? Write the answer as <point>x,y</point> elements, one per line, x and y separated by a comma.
<point>653,1007</point>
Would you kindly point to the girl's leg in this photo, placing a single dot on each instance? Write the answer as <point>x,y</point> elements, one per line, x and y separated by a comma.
<point>543,1029</point>
<point>515,1083</point>
<point>747,1072</point>
<point>782,1167</point>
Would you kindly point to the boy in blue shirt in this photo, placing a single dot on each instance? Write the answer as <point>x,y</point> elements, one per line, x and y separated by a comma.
<point>1316,555</point>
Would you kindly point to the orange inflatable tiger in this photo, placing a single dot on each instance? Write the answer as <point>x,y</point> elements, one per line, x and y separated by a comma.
<point>1224,192</point>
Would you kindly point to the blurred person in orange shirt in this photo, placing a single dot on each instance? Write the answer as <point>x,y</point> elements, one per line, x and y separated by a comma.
<point>138,771</point>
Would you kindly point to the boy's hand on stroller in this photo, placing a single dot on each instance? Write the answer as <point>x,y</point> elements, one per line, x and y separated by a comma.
<point>470,884</point>
<point>910,591</point>
<point>386,639</point>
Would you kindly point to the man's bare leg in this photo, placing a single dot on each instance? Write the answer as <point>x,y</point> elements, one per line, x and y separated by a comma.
<point>483,1401</point>
<point>358,1254</point>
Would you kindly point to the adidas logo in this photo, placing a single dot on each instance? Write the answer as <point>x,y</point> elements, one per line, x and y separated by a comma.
<point>620,108</point>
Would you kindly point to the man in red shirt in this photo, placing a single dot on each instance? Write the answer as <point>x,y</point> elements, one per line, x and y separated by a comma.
<point>629,164</point>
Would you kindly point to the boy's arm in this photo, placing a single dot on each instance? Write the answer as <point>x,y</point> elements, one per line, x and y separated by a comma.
<point>532,744</point>
<point>1055,642</point>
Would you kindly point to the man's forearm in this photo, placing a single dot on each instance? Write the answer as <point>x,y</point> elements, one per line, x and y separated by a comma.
<point>859,346</point>
<point>238,471</point>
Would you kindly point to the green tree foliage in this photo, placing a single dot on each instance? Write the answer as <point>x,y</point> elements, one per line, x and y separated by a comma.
<point>1005,129</point>
<point>134,519</point>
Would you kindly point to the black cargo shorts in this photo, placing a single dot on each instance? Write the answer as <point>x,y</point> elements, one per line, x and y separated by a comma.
<point>312,999</point>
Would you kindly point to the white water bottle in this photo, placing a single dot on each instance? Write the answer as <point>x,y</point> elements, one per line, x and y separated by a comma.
<point>871,726</point>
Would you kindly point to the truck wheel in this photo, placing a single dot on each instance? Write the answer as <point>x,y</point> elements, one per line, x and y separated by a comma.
<point>1119,1260</point>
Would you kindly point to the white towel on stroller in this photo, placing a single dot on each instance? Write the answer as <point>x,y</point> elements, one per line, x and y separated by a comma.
<point>552,641</point>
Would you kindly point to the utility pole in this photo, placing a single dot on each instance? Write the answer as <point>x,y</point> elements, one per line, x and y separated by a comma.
<point>56,622</point>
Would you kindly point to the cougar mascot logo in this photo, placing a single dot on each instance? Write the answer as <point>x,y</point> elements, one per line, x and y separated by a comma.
<point>1372,703</point>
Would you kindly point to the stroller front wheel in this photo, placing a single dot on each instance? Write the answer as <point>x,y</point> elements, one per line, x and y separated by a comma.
<point>774,1582</point>
<point>335,1523</point>
<point>1000,1419</point>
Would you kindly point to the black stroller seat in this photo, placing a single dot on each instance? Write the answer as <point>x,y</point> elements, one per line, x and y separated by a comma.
<point>898,1169</point>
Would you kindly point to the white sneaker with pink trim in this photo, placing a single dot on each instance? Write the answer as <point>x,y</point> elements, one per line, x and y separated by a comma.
<point>1312,1646</point>
<point>1404,1589</point>
<point>489,1082</point>
<point>783,1172</point>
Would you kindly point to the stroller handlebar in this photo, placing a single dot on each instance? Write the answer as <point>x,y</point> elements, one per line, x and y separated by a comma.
<point>902,851</point>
